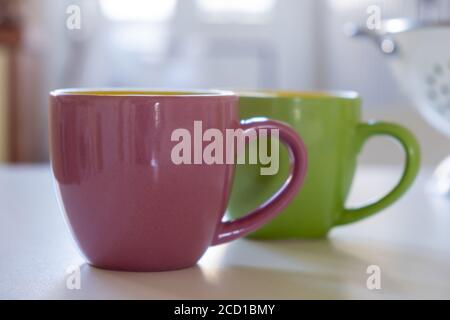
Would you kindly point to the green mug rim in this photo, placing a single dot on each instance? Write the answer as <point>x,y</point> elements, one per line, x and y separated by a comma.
<point>302,95</point>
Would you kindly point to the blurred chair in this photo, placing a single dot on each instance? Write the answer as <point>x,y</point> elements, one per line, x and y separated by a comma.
<point>9,42</point>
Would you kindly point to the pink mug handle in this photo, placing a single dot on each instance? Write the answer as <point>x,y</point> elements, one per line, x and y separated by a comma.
<point>232,230</point>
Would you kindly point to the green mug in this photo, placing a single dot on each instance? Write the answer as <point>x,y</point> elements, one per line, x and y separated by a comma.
<point>330,125</point>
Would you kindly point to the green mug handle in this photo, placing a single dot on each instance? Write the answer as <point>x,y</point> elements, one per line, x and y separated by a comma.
<point>412,166</point>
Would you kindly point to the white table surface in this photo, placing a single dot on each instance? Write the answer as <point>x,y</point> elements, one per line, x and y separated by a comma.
<point>410,242</point>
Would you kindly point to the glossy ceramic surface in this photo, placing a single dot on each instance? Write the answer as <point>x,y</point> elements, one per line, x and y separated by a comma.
<point>331,127</point>
<point>128,205</point>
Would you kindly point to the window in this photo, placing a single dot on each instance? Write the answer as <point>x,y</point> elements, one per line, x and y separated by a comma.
<point>240,11</point>
<point>139,10</point>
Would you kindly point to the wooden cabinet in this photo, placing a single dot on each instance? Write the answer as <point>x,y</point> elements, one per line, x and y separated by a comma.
<point>9,41</point>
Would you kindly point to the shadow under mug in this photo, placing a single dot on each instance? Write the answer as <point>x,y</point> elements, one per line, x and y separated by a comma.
<point>331,127</point>
<point>129,206</point>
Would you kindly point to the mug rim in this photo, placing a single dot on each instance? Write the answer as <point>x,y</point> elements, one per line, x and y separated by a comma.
<point>303,95</point>
<point>142,92</point>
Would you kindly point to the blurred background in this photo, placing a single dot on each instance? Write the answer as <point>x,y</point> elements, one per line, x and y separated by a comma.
<point>272,44</point>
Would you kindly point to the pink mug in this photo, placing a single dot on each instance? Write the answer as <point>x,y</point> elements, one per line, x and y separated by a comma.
<point>129,206</point>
